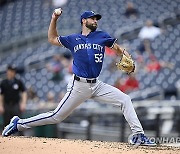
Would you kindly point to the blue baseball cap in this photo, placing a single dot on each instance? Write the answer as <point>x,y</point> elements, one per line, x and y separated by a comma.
<point>89,14</point>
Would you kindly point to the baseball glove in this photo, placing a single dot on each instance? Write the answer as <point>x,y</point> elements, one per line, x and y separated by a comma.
<point>126,64</point>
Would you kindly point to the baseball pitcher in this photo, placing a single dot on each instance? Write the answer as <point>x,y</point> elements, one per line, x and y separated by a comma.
<point>87,48</point>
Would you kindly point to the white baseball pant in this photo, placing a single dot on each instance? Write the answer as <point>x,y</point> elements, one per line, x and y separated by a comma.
<point>78,92</point>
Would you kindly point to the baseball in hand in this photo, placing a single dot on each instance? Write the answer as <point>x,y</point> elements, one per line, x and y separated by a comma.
<point>58,11</point>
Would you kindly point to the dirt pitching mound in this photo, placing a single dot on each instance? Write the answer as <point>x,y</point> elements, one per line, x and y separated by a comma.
<point>33,145</point>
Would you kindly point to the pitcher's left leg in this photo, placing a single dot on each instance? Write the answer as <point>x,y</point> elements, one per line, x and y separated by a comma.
<point>109,94</point>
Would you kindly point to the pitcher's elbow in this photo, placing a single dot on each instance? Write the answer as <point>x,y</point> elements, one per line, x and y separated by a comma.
<point>50,40</point>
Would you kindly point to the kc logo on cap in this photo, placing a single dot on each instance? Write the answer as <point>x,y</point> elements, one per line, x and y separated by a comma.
<point>89,14</point>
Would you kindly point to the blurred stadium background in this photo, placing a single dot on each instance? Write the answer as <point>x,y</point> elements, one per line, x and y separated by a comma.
<point>45,69</point>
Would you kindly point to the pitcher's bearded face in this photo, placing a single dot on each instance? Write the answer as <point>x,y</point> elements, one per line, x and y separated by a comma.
<point>91,23</point>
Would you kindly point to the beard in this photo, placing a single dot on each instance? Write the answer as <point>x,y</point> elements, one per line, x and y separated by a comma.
<point>92,27</point>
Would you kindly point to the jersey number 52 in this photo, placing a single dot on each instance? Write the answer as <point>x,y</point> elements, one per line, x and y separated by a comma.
<point>98,57</point>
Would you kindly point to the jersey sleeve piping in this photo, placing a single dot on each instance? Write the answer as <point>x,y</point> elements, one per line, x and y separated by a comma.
<point>113,43</point>
<point>60,41</point>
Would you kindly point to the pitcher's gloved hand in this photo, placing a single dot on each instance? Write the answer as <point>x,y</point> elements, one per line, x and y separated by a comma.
<point>126,64</point>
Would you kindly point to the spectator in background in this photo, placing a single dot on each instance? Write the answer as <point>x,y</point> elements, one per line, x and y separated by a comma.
<point>56,67</point>
<point>13,95</point>
<point>155,65</point>
<point>131,83</point>
<point>149,31</point>
<point>131,12</point>
<point>128,85</point>
<point>32,95</point>
<point>145,47</point>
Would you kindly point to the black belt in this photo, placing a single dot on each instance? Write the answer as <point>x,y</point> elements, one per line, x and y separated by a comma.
<point>87,80</point>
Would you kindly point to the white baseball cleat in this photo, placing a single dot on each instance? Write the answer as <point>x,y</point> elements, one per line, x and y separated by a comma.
<point>12,127</point>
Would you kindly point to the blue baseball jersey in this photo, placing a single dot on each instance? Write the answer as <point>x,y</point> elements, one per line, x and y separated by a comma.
<point>87,51</point>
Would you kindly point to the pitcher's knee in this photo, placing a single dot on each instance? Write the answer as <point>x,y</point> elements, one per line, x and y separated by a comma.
<point>128,98</point>
<point>124,100</point>
<point>57,118</point>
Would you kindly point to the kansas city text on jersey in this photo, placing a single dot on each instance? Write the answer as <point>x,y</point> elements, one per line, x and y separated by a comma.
<point>88,46</point>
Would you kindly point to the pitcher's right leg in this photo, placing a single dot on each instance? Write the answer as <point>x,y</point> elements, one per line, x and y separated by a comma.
<point>76,94</point>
